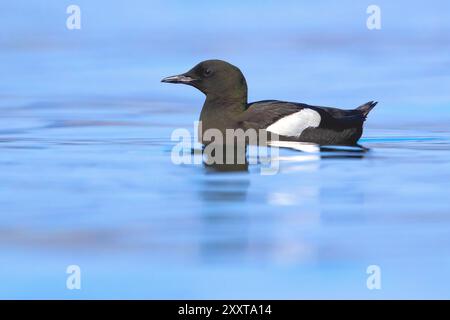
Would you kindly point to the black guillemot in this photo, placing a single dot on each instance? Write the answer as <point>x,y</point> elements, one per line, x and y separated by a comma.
<point>226,107</point>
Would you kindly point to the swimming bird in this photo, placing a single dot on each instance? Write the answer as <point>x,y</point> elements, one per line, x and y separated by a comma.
<point>226,107</point>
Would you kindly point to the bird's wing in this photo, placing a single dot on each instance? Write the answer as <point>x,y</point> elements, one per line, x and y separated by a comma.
<point>263,114</point>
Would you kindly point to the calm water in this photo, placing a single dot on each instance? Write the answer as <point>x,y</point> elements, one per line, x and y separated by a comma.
<point>87,177</point>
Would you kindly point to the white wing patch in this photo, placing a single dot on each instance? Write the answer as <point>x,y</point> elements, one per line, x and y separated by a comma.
<point>294,124</point>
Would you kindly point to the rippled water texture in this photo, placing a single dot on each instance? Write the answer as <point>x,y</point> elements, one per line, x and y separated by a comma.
<point>87,178</point>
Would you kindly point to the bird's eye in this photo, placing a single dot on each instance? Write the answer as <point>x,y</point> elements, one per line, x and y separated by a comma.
<point>207,72</point>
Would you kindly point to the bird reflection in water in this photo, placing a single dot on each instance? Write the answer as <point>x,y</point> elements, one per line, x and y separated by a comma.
<point>234,158</point>
<point>226,158</point>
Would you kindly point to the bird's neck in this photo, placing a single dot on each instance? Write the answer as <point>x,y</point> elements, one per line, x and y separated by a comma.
<point>220,112</point>
<point>226,103</point>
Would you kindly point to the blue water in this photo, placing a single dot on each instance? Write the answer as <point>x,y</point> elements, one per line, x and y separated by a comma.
<point>86,172</point>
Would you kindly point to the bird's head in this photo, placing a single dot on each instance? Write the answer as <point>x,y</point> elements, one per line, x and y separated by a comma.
<point>214,78</point>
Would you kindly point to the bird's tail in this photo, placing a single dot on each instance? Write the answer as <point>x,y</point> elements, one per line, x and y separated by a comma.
<point>366,107</point>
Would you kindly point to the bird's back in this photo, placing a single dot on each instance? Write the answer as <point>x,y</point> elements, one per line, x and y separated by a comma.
<point>307,123</point>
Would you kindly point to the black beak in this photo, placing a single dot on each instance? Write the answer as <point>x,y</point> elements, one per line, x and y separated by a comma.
<point>181,78</point>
